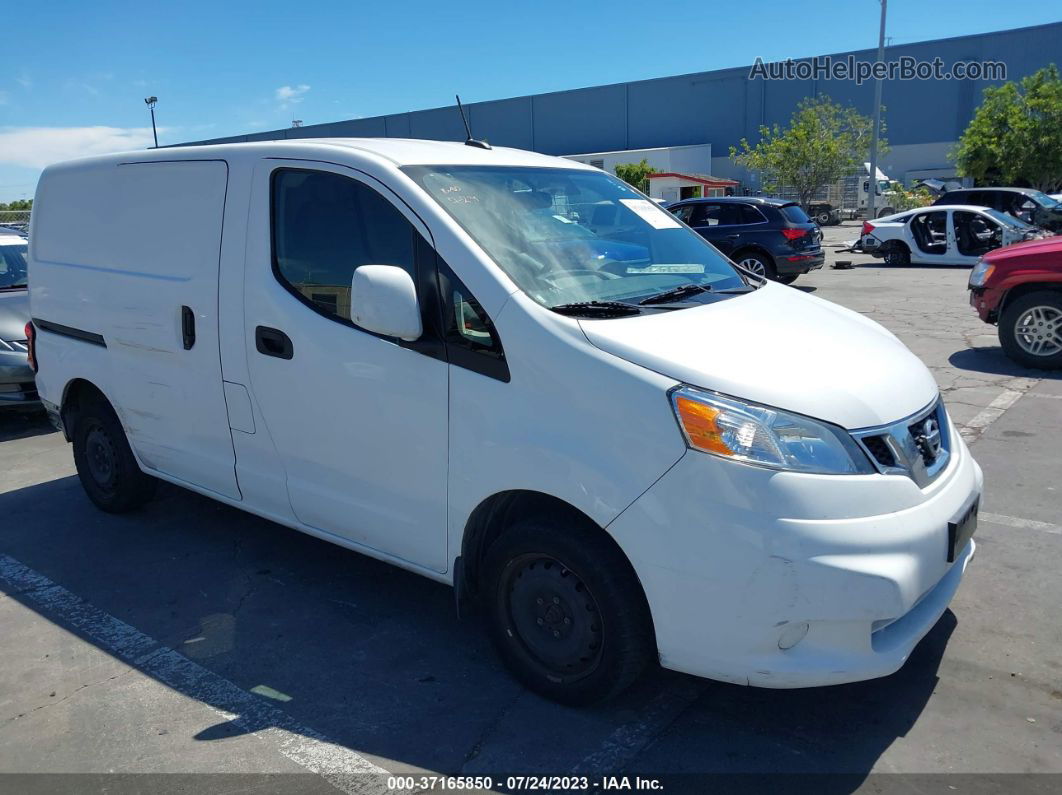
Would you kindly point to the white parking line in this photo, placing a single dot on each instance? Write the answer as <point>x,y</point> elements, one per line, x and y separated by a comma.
<point>340,766</point>
<point>992,412</point>
<point>1024,524</point>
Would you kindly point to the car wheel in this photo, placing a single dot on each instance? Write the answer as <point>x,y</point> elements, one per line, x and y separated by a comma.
<point>105,464</point>
<point>759,264</point>
<point>897,254</point>
<point>1030,330</point>
<point>822,218</point>
<point>566,611</point>
<point>885,211</point>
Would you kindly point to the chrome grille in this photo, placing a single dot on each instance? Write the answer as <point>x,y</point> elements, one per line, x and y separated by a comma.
<point>918,446</point>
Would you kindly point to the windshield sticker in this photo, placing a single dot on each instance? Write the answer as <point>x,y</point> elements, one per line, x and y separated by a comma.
<point>691,268</point>
<point>651,214</point>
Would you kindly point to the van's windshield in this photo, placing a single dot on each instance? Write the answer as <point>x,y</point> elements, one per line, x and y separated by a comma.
<point>570,236</point>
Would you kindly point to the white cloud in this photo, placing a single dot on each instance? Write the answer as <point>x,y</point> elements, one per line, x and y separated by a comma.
<point>37,147</point>
<point>24,81</point>
<point>290,95</point>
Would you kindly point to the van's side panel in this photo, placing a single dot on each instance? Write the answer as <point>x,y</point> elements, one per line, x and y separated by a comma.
<point>119,249</point>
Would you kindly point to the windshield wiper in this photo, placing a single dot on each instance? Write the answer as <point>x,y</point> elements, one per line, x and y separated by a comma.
<point>675,294</point>
<point>14,287</point>
<point>597,309</point>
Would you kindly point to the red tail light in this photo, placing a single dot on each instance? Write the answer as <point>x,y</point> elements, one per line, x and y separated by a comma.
<point>794,234</point>
<point>31,345</point>
<point>868,228</point>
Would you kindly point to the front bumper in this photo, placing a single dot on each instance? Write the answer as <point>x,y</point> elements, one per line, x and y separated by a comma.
<point>779,579</point>
<point>17,387</point>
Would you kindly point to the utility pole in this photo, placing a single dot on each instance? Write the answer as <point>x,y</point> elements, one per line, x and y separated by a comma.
<point>150,102</point>
<point>872,193</point>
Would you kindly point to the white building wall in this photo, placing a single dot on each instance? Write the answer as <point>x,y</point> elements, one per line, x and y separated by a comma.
<point>694,159</point>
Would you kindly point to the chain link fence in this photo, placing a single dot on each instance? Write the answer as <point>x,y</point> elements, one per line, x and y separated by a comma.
<point>15,219</point>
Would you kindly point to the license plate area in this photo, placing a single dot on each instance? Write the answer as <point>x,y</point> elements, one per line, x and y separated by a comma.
<point>962,526</point>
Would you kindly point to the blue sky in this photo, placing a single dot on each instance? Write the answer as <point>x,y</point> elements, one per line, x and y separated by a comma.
<point>75,74</point>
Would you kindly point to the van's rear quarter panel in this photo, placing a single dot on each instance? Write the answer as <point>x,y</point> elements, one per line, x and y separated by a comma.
<point>117,250</point>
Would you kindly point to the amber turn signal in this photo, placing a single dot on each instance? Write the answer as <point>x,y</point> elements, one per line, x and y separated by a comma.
<point>698,421</point>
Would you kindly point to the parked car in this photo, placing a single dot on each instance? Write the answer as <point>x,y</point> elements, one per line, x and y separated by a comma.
<point>17,389</point>
<point>769,237</point>
<point>942,235</point>
<point>1026,204</point>
<point>1019,288</point>
<point>607,456</point>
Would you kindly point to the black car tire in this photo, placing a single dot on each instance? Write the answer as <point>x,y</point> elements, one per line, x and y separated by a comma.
<point>1018,310</point>
<point>566,611</point>
<point>105,464</point>
<point>896,253</point>
<point>822,218</point>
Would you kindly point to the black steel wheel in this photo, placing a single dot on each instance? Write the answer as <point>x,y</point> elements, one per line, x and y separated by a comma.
<point>566,611</point>
<point>105,464</point>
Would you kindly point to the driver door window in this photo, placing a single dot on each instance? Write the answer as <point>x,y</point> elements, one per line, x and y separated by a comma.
<point>326,226</point>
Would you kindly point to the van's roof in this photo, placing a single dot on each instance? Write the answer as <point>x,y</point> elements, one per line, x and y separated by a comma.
<point>399,151</point>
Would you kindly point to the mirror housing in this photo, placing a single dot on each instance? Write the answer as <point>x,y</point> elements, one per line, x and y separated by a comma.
<point>383,300</point>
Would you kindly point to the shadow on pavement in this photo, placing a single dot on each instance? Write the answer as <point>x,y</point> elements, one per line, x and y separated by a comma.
<point>995,362</point>
<point>374,658</point>
<point>22,423</point>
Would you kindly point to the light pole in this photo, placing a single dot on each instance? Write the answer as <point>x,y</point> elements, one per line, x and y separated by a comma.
<point>150,102</point>
<point>872,193</point>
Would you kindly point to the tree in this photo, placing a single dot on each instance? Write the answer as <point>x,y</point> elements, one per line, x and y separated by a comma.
<point>903,199</point>
<point>823,142</point>
<point>17,204</point>
<point>1015,137</point>
<point>636,174</point>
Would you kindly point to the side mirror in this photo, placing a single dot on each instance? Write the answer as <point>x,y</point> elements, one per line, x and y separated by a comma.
<point>383,300</point>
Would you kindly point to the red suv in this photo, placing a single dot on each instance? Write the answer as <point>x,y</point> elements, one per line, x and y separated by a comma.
<point>1019,288</point>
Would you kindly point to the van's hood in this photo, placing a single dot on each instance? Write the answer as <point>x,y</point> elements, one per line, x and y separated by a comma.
<point>781,347</point>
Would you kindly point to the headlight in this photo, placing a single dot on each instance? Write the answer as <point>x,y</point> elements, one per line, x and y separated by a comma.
<point>754,434</point>
<point>979,275</point>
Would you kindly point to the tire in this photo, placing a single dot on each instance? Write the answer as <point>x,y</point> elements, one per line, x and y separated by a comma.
<point>1040,313</point>
<point>896,254</point>
<point>757,263</point>
<point>885,211</point>
<point>566,611</point>
<point>823,218</point>
<point>788,278</point>
<point>105,464</point>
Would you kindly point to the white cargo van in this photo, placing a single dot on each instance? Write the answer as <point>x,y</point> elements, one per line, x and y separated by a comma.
<point>617,445</point>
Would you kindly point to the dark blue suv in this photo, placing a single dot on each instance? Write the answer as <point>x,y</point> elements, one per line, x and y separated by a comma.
<point>771,237</point>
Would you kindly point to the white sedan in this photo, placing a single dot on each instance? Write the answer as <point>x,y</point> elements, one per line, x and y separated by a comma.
<point>957,234</point>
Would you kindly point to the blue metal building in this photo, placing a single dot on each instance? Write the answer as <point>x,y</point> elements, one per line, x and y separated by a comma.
<point>924,118</point>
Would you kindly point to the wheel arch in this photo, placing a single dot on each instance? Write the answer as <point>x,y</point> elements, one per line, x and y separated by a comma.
<point>753,248</point>
<point>496,514</point>
<point>1018,290</point>
<point>77,392</point>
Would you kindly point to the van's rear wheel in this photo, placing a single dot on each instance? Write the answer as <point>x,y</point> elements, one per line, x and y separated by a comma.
<point>105,464</point>
<point>566,611</point>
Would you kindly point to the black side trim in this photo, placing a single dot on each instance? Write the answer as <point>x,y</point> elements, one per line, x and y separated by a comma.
<point>69,331</point>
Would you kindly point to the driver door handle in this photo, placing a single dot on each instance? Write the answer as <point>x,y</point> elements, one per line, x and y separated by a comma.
<point>273,342</point>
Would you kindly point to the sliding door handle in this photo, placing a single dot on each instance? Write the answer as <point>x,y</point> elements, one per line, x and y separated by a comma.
<point>187,327</point>
<point>273,342</point>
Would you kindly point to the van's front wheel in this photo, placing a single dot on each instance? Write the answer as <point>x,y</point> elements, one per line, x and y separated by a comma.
<point>105,463</point>
<point>567,612</point>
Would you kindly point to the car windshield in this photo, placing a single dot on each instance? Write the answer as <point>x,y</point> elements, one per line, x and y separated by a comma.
<point>1009,220</point>
<point>569,235</point>
<point>1042,199</point>
<point>13,266</point>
